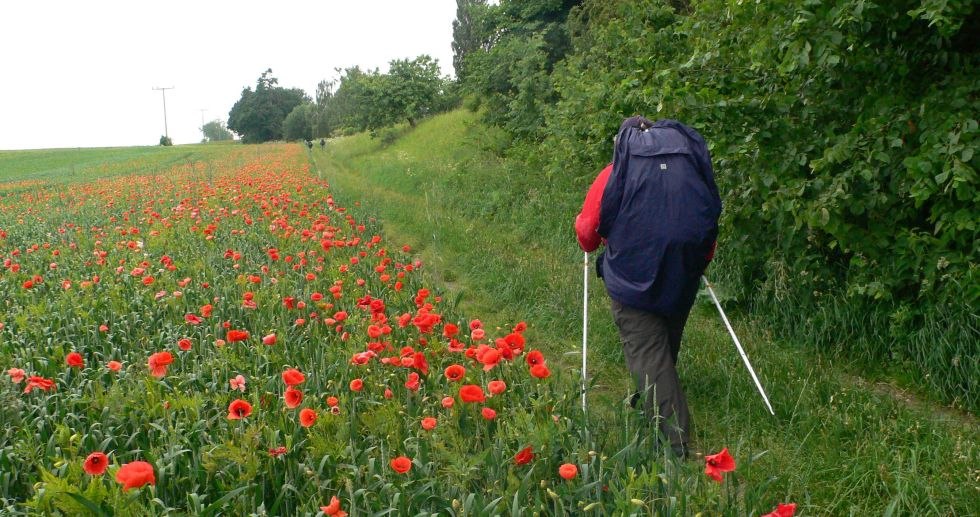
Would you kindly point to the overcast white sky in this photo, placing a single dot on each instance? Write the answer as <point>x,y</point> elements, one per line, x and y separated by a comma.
<point>81,73</point>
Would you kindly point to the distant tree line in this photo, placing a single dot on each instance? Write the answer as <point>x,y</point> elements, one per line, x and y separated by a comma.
<point>844,135</point>
<point>358,100</point>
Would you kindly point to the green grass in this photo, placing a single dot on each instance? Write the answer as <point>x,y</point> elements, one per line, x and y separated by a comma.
<point>497,235</point>
<point>82,164</point>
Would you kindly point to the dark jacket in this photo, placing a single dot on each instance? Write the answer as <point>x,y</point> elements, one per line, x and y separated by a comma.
<point>659,216</point>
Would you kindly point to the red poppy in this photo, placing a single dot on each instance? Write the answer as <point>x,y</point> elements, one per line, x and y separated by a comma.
<point>782,510</point>
<point>455,372</point>
<point>192,319</point>
<point>307,417</point>
<point>239,409</point>
<point>356,385</point>
<point>332,401</point>
<point>184,344</point>
<point>534,357</point>
<point>237,383</point>
<point>158,363</point>
<point>568,471</point>
<point>269,340</point>
<point>135,475</point>
<point>447,402</point>
<point>236,335</point>
<point>333,509</point>
<point>515,341</point>
<point>449,330</point>
<point>401,464</point>
<point>717,464</point>
<point>419,363</point>
<point>488,413</point>
<point>524,456</point>
<point>95,464</point>
<point>413,381</point>
<point>293,397</point>
<point>471,393</point>
<point>490,357</point>
<point>114,366</point>
<point>496,387</point>
<point>293,377</point>
<point>428,423</point>
<point>74,359</point>
<point>41,383</point>
<point>540,371</point>
<point>16,375</point>
<point>206,310</point>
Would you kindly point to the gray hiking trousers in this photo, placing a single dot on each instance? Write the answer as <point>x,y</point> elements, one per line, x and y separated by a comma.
<point>651,344</point>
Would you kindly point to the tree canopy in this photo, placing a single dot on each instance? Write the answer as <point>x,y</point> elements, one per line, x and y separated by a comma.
<point>368,100</point>
<point>259,114</point>
<point>297,125</point>
<point>215,131</point>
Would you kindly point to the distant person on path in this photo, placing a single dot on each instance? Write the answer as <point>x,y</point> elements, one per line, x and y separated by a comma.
<point>323,143</point>
<point>656,208</point>
<point>309,144</point>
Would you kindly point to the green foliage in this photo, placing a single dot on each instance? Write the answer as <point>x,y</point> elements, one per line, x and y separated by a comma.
<point>468,32</point>
<point>258,115</point>
<point>845,131</point>
<point>215,131</point>
<point>511,49</point>
<point>412,89</point>
<point>298,124</point>
<point>409,90</point>
<point>166,141</point>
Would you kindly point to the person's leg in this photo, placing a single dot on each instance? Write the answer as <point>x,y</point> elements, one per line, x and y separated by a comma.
<point>675,330</point>
<point>649,358</point>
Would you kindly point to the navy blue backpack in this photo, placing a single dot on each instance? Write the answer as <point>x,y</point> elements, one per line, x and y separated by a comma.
<point>659,216</point>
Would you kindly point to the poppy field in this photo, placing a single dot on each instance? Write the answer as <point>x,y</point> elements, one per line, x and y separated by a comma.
<point>222,336</point>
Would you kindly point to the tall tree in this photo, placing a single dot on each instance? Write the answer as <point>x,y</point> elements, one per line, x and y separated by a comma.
<point>258,115</point>
<point>410,88</point>
<point>469,32</point>
<point>520,44</point>
<point>297,125</point>
<point>215,131</point>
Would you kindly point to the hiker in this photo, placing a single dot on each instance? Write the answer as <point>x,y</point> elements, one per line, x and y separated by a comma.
<point>322,143</point>
<point>656,208</point>
<point>309,144</point>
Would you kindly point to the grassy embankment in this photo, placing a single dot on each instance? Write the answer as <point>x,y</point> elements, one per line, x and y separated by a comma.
<point>499,238</point>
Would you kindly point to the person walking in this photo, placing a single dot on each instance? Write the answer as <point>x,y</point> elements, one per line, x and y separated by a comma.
<point>656,209</point>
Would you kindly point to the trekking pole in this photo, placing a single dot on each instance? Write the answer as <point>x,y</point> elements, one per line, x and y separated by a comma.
<point>738,345</point>
<point>585,323</point>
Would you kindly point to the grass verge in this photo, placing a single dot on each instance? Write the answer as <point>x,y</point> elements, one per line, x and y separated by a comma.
<point>498,236</point>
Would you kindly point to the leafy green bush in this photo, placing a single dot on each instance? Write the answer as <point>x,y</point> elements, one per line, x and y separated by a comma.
<point>843,136</point>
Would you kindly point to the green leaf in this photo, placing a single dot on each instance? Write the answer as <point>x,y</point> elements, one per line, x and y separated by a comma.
<point>99,510</point>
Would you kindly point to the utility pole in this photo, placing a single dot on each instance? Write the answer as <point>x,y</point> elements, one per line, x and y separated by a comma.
<point>203,135</point>
<point>166,133</point>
